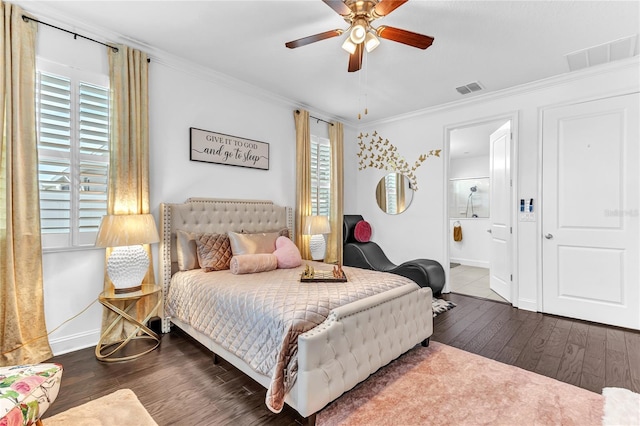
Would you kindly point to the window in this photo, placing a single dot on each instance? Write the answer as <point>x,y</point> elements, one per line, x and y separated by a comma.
<point>320,176</point>
<point>72,113</point>
<point>391,183</point>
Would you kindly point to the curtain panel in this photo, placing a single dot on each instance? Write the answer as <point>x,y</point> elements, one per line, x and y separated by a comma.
<point>400,193</point>
<point>128,191</point>
<point>303,179</point>
<point>334,239</point>
<point>23,332</point>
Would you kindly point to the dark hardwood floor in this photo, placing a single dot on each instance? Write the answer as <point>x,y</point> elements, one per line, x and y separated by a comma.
<point>179,384</point>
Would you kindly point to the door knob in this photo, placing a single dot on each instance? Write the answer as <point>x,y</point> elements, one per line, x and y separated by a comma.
<point>489,230</point>
<point>549,236</point>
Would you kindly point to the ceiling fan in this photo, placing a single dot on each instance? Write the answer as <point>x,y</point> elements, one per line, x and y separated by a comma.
<point>360,14</point>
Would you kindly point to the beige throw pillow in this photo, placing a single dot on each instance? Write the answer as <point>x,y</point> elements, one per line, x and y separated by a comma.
<point>262,242</point>
<point>187,251</point>
<point>214,251</point>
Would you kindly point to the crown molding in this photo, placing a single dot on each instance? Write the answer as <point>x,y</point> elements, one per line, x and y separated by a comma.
<point>41,10</point>
<point>515,90</point>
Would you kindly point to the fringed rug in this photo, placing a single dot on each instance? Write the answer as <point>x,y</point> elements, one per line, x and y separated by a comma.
<point>121,407</point>
<point>442,385</point>
<point>441,305</point>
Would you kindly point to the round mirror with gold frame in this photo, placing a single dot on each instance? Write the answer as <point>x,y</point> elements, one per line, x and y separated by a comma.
<point>394,193</point>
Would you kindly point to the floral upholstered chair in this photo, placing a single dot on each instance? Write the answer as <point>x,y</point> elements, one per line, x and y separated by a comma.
<point>26,392</point>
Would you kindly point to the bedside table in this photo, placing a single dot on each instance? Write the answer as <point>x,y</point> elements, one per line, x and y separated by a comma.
<point>105,351</point>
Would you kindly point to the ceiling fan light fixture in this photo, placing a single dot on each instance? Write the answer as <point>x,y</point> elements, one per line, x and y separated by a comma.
<point>371,42</point>
<point>359,31</point>
<point>349,46</point>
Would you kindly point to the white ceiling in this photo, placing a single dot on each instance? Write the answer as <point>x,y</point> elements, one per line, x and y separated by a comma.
<point>501,44</point>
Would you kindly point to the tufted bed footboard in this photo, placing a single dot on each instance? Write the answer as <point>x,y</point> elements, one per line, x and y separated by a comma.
<point>354,340</point>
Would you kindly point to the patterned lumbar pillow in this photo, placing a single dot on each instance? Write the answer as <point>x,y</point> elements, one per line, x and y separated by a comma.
<point>214,251</point>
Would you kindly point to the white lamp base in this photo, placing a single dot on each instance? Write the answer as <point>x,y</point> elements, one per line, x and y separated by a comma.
<point>318,247</point>
<point>127,267</point>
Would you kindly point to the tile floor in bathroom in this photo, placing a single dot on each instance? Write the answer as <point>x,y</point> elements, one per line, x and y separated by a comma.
<point>472,281</point>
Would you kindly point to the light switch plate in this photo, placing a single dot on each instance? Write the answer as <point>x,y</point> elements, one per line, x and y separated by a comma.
<point>527,217</point>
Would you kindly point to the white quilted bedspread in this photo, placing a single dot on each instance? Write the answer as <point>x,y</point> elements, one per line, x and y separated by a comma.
<point>258,317</point>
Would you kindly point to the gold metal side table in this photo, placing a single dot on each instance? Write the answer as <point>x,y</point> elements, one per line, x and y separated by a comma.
<point>105,350</point>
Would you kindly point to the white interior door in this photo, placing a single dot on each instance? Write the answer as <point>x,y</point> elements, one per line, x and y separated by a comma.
<point>591,189</point>
<point>500,211</point>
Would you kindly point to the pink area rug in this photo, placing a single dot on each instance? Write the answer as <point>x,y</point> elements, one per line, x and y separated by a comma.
<point>442,385</point>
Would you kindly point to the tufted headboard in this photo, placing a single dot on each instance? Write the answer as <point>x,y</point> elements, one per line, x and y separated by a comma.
<point>214,216</point>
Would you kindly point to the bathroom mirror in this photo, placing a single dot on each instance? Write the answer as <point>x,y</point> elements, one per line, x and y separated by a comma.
<point>394,193</point>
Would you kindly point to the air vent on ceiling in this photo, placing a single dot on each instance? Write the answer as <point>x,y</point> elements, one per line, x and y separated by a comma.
<point>602,53</point>
<point>468,88</point>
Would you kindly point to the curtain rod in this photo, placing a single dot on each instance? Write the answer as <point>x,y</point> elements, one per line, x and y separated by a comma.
<point>316,118</point>
<point>26,18</point>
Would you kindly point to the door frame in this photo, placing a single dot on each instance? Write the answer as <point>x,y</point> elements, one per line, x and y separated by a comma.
<point>540,171</point>
<point>512,116</point>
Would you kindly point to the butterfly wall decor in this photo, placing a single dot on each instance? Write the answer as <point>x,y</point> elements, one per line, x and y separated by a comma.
<point>379,153</point>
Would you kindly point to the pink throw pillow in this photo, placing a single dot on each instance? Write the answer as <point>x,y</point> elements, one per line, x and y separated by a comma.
<point>287,253</point>
<point>362,231</point>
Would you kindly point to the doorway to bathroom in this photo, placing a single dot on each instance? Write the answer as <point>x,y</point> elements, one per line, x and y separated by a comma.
<point>479,209</point>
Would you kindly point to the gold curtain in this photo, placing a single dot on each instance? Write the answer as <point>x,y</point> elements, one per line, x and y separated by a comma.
<point>400,192</point>
<point>129,156</point>
<point>381,194</point>
<point>334,239</point>
<point>22,319</point>
<point>303,179</point>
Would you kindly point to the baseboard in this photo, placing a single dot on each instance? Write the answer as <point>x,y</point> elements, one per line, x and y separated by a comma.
<point>468,262</point>
<point>528,305</point>
<point>74,342</point>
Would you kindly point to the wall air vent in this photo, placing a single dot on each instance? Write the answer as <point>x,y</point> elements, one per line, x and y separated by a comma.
<point>608,52</point>
<point>468,88</point>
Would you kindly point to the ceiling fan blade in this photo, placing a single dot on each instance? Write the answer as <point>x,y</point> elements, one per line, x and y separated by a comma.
<point>355,59</point>
<point>339,7</point>
<point>312,39</point>
<point>385,7</point>
<point>403,36</point>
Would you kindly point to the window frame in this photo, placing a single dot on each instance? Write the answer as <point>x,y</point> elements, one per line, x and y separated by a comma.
<point>74,239</point>
<point>318,183</point>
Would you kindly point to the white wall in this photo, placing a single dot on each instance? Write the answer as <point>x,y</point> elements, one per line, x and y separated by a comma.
<point>462,168</point>
<point>423,230</point>
<point>181,96</point>
<point>72,279</point>
<point>475,247</point>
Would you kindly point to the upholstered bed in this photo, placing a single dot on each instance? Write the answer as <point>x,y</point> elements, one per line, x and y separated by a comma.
<point>307,343</point>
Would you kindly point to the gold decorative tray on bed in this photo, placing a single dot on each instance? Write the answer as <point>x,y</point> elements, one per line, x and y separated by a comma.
<point>310,275</point>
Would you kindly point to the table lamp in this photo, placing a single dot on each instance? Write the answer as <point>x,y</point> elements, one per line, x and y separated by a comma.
<point>128,263</point>
<point>317,227</point>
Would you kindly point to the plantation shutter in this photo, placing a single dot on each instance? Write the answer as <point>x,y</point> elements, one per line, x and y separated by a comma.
<point>94,158</point>
<point>320,176</point>
<point>73,150</point>
<point>392,193</point>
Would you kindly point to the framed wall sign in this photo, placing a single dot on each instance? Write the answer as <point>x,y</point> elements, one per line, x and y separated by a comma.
<point>219,148</point>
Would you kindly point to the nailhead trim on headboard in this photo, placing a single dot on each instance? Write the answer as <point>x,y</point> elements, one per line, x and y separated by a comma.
<point>214,216</point>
